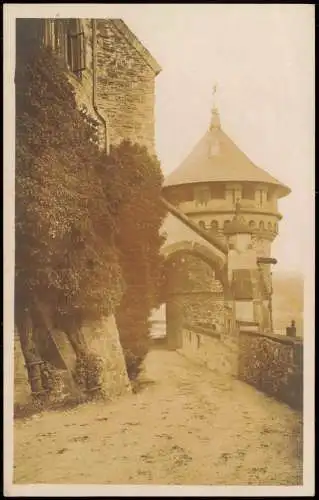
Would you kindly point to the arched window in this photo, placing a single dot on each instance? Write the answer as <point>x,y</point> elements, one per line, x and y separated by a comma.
<point>252,224</point>
<point>276,227</point>
<point>214,225</point>
<point>261,225</point>
<point>76,46</point>
<point>269,226</point>
<point>202,224</point>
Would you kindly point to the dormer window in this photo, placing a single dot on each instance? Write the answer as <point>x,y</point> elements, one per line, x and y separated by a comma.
<point>76,47</point>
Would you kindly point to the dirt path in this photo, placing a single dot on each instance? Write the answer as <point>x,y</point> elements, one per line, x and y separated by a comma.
<point>190,426</point>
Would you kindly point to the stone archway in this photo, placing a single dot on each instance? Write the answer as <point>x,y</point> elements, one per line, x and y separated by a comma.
<point>196,285</point>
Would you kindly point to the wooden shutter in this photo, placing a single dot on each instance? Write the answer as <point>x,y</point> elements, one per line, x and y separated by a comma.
<point>77,52</point>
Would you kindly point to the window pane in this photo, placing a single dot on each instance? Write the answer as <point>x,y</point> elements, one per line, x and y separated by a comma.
<point>217,191</point>
<point>248,193</point>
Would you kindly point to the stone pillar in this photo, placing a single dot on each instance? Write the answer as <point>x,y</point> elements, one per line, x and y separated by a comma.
<point>291,330</point>
<point>174,323</point>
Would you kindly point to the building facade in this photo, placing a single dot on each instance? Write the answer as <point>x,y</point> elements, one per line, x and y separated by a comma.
<point>113,77</point>
<point>112,73</point>
<point>234,203</point>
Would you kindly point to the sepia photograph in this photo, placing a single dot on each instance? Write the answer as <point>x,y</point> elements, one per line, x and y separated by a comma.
<point>159,216</point>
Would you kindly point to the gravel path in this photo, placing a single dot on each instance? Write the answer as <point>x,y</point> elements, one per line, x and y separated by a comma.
<point>187,426</point>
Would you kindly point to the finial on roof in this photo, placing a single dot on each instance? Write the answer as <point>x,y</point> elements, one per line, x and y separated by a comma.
<point>215,119</point>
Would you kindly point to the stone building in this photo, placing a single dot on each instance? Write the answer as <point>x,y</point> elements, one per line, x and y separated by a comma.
<point>113,76</point>
<point>223,218</point>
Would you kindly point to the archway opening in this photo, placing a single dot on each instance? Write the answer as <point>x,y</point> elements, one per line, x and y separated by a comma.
<point>194,294</point>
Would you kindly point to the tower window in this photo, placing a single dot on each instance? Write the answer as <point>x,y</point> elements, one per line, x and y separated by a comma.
<point>50,33</point>
<point>261,225</point>
<point>226,223</point>
<point>218,191</point>
<point>252,224</point>
<point>248,192</point>
<point>202,195</point>
<point>214,225</point>
<point>269,226</point>
<point>202,224</point>
<point>260,197</point>
<point>76,48</point>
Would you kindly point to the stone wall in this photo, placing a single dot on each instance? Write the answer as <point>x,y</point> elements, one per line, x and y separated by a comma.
<point>206,348</point>
<point>272,364</point>
<point>195,296</point>
<point>125,87</point>
<point>102,339</point>
<point>125,75</point>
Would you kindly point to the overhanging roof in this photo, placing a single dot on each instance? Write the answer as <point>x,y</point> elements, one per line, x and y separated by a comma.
<point>228,164</point>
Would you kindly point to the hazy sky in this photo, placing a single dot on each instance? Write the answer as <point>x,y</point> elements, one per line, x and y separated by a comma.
<point>262,58</point>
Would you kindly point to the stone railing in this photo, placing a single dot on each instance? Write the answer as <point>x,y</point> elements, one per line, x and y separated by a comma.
<point>205,346</point>
<point>273,364</point>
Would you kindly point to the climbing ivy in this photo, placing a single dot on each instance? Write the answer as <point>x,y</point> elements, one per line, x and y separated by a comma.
<point>87,224</point>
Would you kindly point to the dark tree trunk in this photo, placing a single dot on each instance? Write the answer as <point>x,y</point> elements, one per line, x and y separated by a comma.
<point>73,331</point>
<point>32,359</point>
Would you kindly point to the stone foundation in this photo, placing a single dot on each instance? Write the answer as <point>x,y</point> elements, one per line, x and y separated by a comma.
<point>102,340</point>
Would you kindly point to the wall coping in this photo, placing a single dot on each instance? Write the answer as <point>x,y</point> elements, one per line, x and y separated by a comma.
<point>203,331</point>
<point>276,338</point>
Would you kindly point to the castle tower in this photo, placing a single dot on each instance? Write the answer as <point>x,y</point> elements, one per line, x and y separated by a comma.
<point>214,177</point>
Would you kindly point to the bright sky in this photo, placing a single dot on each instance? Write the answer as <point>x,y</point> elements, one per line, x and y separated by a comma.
<point>262,58</point>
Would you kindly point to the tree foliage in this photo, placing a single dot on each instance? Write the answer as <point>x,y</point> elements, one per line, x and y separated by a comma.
<point>87,224</point>
<point>64,225</point>
<point>137,178</point>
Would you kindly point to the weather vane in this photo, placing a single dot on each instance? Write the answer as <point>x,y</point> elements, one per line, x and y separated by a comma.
<point>214,95</point>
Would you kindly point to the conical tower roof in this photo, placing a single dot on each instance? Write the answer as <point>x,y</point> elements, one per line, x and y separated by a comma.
<point>216,158</point>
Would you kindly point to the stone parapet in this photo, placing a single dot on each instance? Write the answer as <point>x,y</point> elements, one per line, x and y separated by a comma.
<point>273,364</point>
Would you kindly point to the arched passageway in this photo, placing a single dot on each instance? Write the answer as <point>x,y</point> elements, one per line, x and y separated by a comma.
<point>195,292</point>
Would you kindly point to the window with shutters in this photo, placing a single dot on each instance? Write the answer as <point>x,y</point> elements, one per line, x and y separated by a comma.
<point>76,50</point>
<point>49,33</point>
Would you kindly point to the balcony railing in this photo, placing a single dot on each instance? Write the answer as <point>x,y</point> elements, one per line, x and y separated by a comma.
<point>226,205</point>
